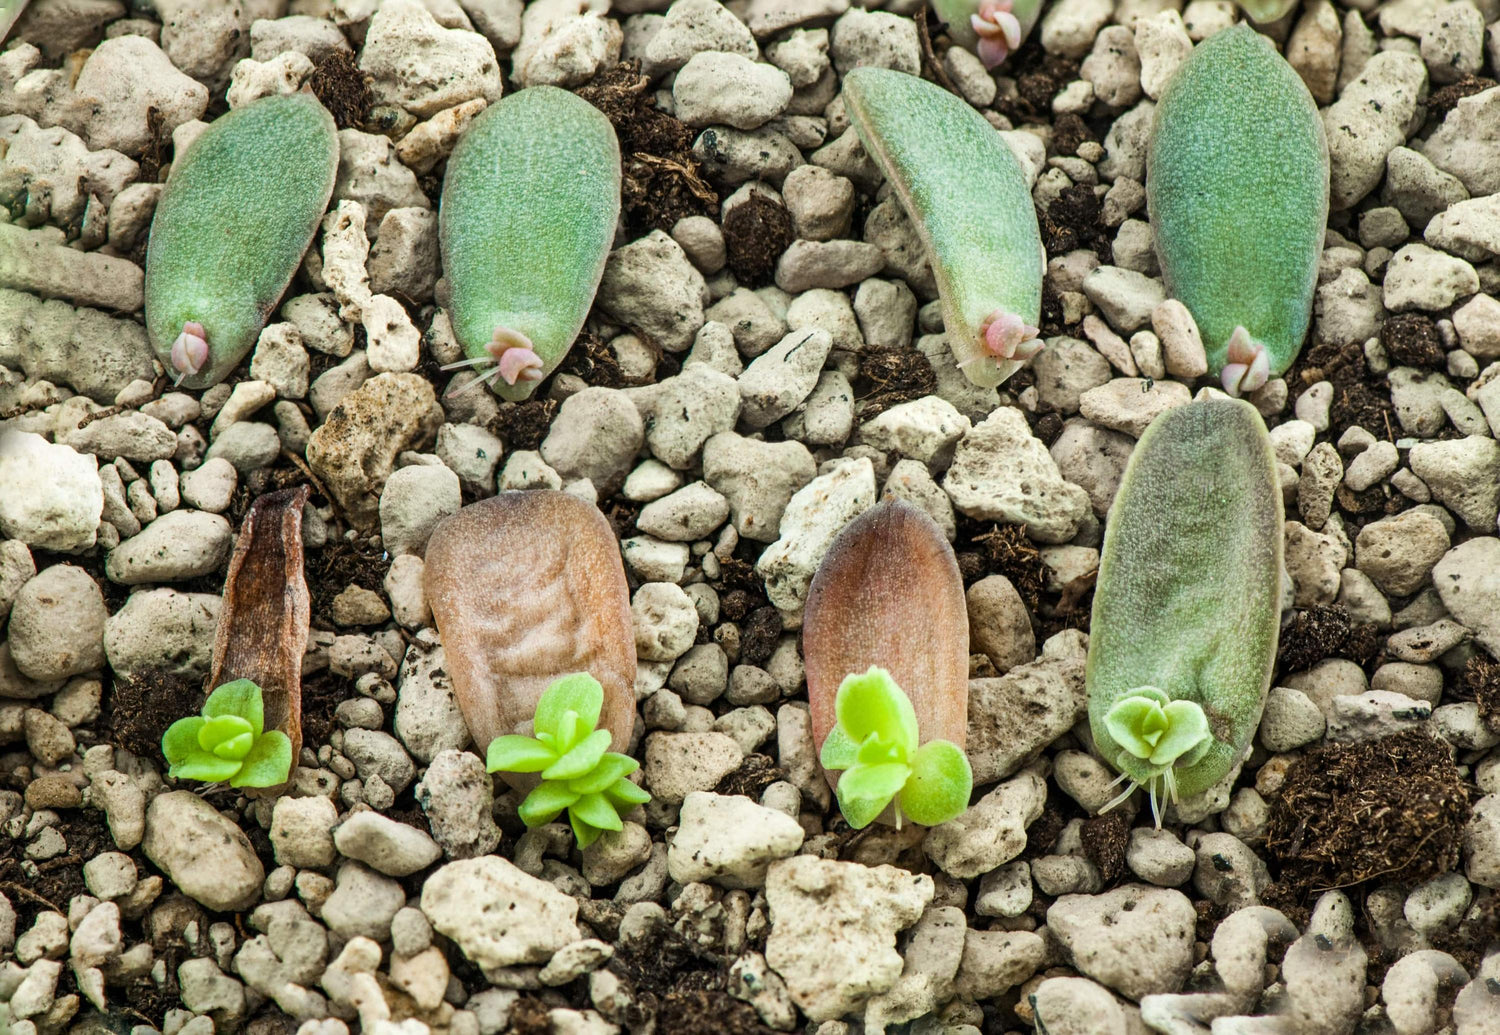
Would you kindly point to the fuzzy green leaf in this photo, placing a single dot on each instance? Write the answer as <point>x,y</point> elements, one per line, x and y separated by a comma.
<point>530,201</point>
<point>579,692</point>
<point>516,754</point>
<point>1237,186</point>
<point>581,759</point>
<point>940,784</point>
<point>864,791</point>
<point>1186,728</point>
<point>236,216</point>
<point>967,198</point>
<point>545,802</point>
<point>269,763</point>
<point>1188,594</point>
<point>872,703</point>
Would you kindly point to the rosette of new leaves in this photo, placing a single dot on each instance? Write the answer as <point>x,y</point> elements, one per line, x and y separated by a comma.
<point>579,773</point>
<point>875,744</point>
<point>229,741</point>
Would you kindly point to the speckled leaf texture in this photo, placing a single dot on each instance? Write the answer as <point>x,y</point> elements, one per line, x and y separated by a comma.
<point>237,214</point>
<point>966,195</point>
<point>1188,595</point>
<point>1237,187</point>
<point>889,593</point>
<point>530,202</point>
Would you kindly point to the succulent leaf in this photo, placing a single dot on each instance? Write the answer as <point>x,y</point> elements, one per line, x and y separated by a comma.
<point>237,213</point>
<point>240,698</point>
<point>581,758</point>
<point>871,705</point>
<point>1187,604</point>
<point>991,28</point>
<point>518,754</point>
<point>971,205</point>
<point>544,803</point>
<point>268,764</point>
<point>530,202</point>
<point>1237,186</point>
<point>939,785</point>
<point>226,742</point>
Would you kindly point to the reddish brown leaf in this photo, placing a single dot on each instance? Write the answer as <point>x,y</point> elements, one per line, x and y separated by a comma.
<point>888,593</point>
<point>526,587</point>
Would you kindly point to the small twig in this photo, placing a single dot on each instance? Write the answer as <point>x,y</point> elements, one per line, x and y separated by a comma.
<point>109,411</point>
<point>929,58</point>
<point>25,892</point>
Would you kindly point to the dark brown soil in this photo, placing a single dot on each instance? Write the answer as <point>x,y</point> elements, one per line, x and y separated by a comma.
<point>754,775</point>
<point>1074,221</point>
<point>1441,102</point>
<point>154,156</point>
<point>343,88</point>
<point>758,637</point>
<point>702,1012</point>
<point>1104,840</point>
<point>1481,681</point>
<point>1068,132</point>
<point>136,712</point>
<point>892,377</point>
<point>1411,340</point>
<point>523,425</point>
<point>1315,634</point>
<point>594,361</point>
<point>321,694</point>
<point>1392,809</point>
<point>661,180</point>
<point>1007,551</point>
<point>1359,397</point>
<point>529,1017</point>
<point>338,565</point>
<point>756,232</point>
<point>1039,77</point>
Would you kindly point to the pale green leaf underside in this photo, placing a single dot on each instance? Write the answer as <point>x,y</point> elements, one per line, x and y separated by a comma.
<point>236,215</point>
<point>528,213</point>
<point>966,195</point>
<point>1237,181</point>
<point>1188,592</point>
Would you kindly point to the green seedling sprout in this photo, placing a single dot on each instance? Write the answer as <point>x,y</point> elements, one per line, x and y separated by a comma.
<point>579,772</point>
<point>229,741</point>
<point>875,743</point>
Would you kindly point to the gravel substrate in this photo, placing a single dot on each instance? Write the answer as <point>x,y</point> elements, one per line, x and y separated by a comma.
<point>764,362</point>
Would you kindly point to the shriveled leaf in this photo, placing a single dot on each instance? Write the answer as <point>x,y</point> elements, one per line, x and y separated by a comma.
<point>939,786</point>
<point>269,763</point>
<point>516,754</point>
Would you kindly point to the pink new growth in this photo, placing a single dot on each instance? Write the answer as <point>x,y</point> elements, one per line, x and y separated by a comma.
<point>1249,365</point>
<point>514,358</point>
<point>189,351</point>
<point>998,29</point>
<point>1007,336</point>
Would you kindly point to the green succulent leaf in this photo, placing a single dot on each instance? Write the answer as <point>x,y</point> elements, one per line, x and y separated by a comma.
<point>181,739</point>
<point>872,703</point>
<point>1187,728</point>
<point>240,698</point>
<point>545,802</point>
<point>205,766</point>
<point>584,833</point>
<point>1136,724</point>
<point>626,795</point>
<point>579,693</point>
<point>839,752</point>
<point>865,791</point>
<point>517,754</point>
<point>227,736</point>
<point>597,811</point>
<point>269,763</point>
<point>940,784</point>
<point>613,766</point>
<point>581,759</point>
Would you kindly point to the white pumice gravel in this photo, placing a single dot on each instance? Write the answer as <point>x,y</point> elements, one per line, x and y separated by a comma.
<point>734,412</point>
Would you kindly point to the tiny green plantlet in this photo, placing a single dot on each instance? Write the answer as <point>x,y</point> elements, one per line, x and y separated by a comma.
<point>579,773</point>
<point>1237,188</point>
<point>238,211</point>
<point>992,28</point>
<point>530,202</point>
<point>1187,609</point>
<point>969,201</point>
<point>229,741</point>
<point>875,743</point>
